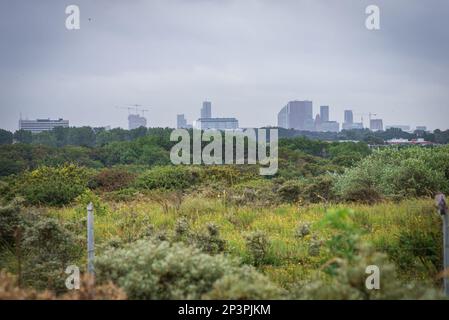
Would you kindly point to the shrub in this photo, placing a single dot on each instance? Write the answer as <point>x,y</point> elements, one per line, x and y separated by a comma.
<point>302,230</point>
<point>112,179</point>
<point>258,245</point>
<point>244,285</point>
<point>169,178</point>
<point>412,178</point>
<point>416,250</point>
<point>396,174</point>
<point>228,174</point>
<point>211,242</point>
<point>290,190</point>
<point>10,221</point>
<point>349,282</point>
<point>124,195</point>
<point>343,233</point>
<point>160,270</point>
<point>256,192</point>
<point>53,186</point>
<point>9,290</point>
<point>318,189</point>
<point>87,197</point>
<point>48,247</point>
<point>359,184</point>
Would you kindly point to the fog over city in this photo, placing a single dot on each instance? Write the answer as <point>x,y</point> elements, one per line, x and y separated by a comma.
<point>249,57</point>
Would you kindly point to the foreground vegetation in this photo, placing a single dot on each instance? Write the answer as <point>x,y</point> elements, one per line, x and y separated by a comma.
<point>224,232</point>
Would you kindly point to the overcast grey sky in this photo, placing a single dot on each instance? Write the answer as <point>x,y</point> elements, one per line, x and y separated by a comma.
<point>249,57</point>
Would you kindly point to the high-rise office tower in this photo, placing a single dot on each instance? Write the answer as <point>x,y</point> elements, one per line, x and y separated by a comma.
<point>181,121</point>
<point>297,115</point>
<point>206,110</point>
<point>324,113</point>
<point>349,117</point>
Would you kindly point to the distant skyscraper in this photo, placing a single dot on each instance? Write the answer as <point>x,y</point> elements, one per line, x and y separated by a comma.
<point>135,121</point>
<point>318,123</point>
<point>40,125</point>
<point>349,117</point>
<point>297,115</point>
<point>206,110</point>
<point>283,118</point>
<point>376,125</point>
<point>324,113</point>
<point>181,121</point>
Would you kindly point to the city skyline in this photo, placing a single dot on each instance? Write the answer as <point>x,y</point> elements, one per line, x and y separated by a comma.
<point>249,58</point>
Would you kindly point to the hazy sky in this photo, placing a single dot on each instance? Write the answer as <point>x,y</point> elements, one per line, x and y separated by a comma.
<point>249,57</point>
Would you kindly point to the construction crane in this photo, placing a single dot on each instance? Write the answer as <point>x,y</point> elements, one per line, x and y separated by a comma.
<point>136,107</point>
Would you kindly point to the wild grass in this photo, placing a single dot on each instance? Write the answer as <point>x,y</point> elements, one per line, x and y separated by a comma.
<point>288,260</point>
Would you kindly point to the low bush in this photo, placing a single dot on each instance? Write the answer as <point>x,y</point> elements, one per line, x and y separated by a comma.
<point>53,186</point>
<point>395,174</point>
<point>112,179</point>
<point>318,189</point>
<point>169,178</point>
<point>349,282</point>
<point>258,245</point>
<point>160,270</point>
<point>290,191</point>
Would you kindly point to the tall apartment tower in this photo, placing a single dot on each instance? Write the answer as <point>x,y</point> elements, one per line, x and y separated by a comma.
<point>135,121</point>
<point>297,115</point>
<point>206,110</point>
<point>349,117</point>
<point>324,113</point>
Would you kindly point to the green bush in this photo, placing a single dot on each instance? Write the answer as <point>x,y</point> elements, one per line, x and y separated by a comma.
<point>160,270</point>
<point>10,220</point>
<point>318,189</point>
<point>290,190</point>
<point>256,192</point>
<point>244,285</point>
<point>396,174</point>
<point>349,282</point>
<point>258,245</point>
<point>169,178</point>
<point>53,186</point>
<point>87,197</point>
<point>112,179</point>
<point>43,247</point>
<point>211,242</point>
<point>48,248</point>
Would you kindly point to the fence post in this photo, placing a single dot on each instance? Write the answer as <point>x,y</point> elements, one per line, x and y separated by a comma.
<point>443,210</point>
<point>90,239</point>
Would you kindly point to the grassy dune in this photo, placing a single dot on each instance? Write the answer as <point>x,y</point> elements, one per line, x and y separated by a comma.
<point>408,231</point>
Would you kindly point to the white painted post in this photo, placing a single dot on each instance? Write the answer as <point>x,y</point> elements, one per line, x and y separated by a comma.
<point>90,239</point>
<point>443,210</point>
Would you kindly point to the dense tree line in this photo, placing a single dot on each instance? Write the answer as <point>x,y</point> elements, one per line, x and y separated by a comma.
<point>97,137</point>
<point>369,137</point>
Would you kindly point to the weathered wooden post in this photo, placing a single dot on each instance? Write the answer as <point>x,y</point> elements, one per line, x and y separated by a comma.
<point>90,239</point>
<point>443,210</point>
